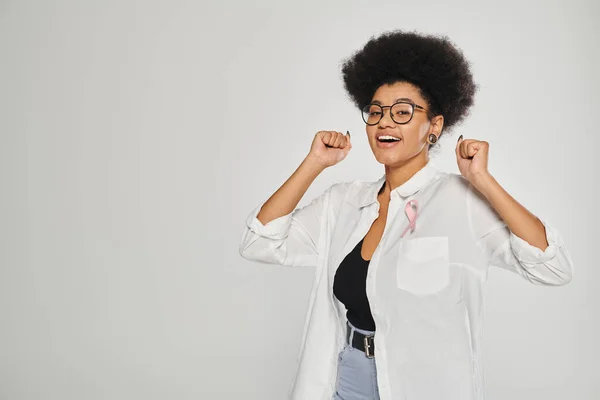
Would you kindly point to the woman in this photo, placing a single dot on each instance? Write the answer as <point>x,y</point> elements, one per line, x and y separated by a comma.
<point>396,305</point>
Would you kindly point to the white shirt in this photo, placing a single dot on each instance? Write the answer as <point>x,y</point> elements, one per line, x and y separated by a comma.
<point>425,290</point>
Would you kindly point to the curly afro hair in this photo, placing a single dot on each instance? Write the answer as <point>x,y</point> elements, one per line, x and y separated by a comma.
<point>431,63</point>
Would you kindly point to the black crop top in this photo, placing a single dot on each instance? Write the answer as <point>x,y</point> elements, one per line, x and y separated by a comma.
<point>349,286</point>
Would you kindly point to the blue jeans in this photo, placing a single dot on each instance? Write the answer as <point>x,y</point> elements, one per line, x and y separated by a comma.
<point>357,376</point>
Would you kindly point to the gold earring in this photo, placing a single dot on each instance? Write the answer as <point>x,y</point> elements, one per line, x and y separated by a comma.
<point>432,138</point>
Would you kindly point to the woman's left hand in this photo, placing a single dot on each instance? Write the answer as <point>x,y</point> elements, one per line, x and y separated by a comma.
<point>472,159</point>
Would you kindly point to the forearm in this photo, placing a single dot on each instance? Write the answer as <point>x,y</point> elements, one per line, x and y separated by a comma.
<point>287,197</point>
<point>518,219</point>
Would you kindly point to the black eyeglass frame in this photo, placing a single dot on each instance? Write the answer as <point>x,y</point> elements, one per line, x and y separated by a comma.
<point>413,106</point>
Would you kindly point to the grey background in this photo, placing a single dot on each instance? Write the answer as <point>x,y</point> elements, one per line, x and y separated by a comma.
<point>136,136</point>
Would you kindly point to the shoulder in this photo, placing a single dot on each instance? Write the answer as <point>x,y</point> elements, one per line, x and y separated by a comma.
<point>340,190</point>
<point>335,193</point>
<point>353,191</point>
<point>459,191</point>
<point>351,186</point>
<point>460,185</point>
<point>453,182</point>
<point>451,178</point>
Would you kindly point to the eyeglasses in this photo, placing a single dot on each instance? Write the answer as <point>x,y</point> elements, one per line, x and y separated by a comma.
<point>401,112</point>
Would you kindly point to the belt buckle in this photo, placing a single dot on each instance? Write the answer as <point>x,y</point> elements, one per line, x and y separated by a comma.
<point>367,347</point>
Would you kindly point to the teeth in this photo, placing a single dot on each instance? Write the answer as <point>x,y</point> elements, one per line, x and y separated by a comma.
<point>388,138</point>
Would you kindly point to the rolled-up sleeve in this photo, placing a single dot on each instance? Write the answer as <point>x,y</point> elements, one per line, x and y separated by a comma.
<point>552,266</point>
<point>290,240</point>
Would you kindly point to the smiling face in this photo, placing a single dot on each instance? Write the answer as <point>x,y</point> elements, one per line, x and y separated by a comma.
<point>413,135</point>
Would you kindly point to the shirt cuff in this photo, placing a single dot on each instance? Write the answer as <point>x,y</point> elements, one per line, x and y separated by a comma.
<point>530,255</point>
<point>277,229</point>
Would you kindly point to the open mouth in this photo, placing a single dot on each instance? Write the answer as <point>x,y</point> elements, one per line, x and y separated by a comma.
<point>387,141</point>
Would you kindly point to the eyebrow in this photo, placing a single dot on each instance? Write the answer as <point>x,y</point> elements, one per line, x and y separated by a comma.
<point>395,101</point>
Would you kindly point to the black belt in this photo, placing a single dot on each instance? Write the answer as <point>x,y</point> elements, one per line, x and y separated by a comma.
<point>362,342</point>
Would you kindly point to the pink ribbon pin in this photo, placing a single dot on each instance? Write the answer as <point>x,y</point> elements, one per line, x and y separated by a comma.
<point>411,212</point>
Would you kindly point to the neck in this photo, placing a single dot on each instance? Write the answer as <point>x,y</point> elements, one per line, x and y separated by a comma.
<point>397,175</point>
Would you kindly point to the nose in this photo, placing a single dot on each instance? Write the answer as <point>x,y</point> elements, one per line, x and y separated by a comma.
<point>386,118</point>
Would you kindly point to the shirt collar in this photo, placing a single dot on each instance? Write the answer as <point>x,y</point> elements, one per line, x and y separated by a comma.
<point>419,180</point>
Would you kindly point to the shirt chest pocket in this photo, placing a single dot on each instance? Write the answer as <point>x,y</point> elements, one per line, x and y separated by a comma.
<point>423,265</point>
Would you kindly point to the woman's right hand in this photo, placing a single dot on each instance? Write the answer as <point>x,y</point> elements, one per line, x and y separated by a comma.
<point>329,148</point>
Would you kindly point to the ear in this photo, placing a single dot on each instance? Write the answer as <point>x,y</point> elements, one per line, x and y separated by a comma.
<point>437,123</point>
